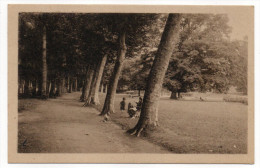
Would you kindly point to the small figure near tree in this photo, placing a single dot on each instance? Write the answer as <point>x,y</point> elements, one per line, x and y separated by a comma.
<point>132,111</point>
<point>122,105</point>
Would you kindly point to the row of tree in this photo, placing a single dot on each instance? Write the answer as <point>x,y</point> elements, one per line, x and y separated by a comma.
<point>67,52</point>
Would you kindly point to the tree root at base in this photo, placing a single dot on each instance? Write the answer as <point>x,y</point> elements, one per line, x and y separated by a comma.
<point>135,131</point>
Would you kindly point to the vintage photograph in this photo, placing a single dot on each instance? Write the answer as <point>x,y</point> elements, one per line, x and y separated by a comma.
<point>133,82</point>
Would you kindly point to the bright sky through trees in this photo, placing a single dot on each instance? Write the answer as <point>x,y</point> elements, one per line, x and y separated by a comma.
<point>239,22</point>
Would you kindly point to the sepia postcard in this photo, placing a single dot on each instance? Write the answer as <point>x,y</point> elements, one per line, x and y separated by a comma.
<point>130,84</point>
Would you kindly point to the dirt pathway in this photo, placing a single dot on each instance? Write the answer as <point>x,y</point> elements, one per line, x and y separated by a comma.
<point>62,125</point>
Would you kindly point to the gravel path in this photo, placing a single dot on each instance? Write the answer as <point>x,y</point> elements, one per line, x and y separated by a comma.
<point>62,125</point>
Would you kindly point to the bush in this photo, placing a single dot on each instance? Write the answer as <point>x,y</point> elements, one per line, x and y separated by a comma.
<point>238,99</point>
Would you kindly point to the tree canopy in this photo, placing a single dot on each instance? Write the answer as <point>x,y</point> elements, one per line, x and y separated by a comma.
<point>205,58</point>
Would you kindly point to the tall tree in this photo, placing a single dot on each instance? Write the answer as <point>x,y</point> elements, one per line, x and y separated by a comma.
<point>127,27</point>
<point>92,86</point>
<point>149,112</point>
<point>93,98</point>
<point>30,58</point>
<point>88,82</point>
<point>44,65</point>
<point>137,68</point>
<point>109,101</point>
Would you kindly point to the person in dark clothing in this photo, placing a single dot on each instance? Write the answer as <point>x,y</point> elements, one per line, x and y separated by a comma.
<point>130,106</point>
<point>122,104</point>
<point>139,104</point>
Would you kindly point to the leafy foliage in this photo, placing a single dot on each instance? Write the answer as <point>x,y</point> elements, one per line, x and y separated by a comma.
<point>205,59</point>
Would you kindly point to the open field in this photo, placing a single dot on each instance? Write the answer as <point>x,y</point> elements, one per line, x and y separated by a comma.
<point>194,126</point>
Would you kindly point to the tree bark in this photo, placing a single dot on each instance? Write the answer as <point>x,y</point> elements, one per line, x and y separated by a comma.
<point>87,84</point>
<point>100,73</point>
<point>34,88</point>
<point>52,89</point>
<point>94,99</point>
<point>102,88</point>
<point>49,87</point>
<point>44,66</point>
<point>84,85</point>
<point>105,91</point>
<point>109,101</point>
<point>59,87</point>
<point>76,85</point>
<point>82,97</point>
<point>173,95</point>
<point>39,83</point>
<point>179,94</point>
<point>70,85</point>
<point>23,86</point>
<point>37,86</point>
<point>148,120</point>
<point>26,88</point>
<point>63,84</point>
<point>92,87</point>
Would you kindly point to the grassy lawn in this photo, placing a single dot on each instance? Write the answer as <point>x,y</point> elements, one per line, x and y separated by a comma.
<point>194,126</point>
<point>25,104</point>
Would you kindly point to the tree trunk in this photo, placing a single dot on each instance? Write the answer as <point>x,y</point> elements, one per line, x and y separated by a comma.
<point>39,83</point>
<point>44,66</point>
<point>102,88</point>
<point>105,91</point>
<point>23,86</point>
<point>59,88</point>
<point>82,97</point>
<point>63,85</point>
<point>109,101</point>
<point>92,87</point>
<point>34,88</point>
<point>173,95</point>
<point>26,88</point>
<point>88,82</point>
<point>99,77</point>
<point>49,87</point>
<point>149,113</point>
<point>179,94</point>
<point>30,84</point>
<point>94,99</point>
<point>70,85</point>
<point>52,91</point>
<point>76,85</point>
<point>84,85</point>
